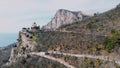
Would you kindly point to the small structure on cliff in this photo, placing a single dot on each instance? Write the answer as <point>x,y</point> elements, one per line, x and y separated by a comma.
<point>35,27</point>
<point>27,33</point>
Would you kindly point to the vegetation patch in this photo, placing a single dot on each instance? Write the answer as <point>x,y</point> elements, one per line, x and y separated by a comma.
<point>35,37</point>
<point>111,41</point>
<point>90,24</point>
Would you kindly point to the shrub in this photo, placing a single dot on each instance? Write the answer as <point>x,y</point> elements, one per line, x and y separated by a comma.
<point>90,24</point>
<point>111,41</point>
<point>109,44</point>
<point>35,37</point>
<point>95,46</point>
<point>89,63</point>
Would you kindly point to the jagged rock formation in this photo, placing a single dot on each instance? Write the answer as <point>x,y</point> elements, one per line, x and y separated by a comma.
<point>64,17</point>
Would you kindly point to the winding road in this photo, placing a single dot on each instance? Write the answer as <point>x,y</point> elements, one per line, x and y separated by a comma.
<point>105,58</point>
<point>43,54</point>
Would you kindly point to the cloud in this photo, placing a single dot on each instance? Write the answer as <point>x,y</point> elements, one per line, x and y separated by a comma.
<point>15,14</point>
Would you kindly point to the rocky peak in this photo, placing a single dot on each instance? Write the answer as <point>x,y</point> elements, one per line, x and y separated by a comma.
<point>64,17</point>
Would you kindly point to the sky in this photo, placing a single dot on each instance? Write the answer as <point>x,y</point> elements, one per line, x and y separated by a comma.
<point>15,14</point>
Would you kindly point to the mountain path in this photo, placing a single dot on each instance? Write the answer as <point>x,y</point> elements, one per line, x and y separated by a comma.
<point>105,58</point>
<point>43,54</point>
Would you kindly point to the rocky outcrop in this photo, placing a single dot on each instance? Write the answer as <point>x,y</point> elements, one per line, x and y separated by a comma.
<point>27,42</point>
<point>64,17</point>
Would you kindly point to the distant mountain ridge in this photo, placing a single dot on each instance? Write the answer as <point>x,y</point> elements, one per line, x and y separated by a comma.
<point>64,17</point>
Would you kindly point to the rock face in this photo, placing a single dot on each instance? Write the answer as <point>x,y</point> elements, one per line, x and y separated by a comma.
<point>64,17</point>
<point>27,42</point>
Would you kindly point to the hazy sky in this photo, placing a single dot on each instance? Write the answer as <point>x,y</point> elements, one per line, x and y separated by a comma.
<point>15,14</point>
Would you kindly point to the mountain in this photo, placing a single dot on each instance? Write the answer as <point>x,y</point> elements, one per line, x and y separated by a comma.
<point>90,43</point>
<point>64,17</point>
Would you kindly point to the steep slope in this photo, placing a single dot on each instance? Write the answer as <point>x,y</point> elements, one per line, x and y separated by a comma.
<point>63,17</point>
<point>5,54</point>
<point>105,24</point>
<point>95,36</point>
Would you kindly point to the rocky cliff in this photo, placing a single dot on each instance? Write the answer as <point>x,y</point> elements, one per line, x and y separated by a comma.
<point>64,17</point>
<point>27,42</point>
